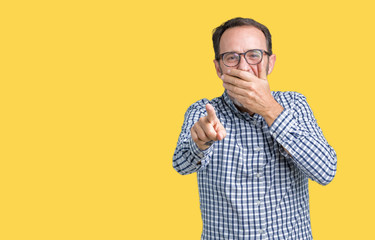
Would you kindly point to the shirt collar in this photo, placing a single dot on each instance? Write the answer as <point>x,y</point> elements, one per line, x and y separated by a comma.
<point>229,102</point>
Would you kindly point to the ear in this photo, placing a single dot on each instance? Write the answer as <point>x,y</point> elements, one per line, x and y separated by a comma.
<point>271,63</point>
<point>218,68</point>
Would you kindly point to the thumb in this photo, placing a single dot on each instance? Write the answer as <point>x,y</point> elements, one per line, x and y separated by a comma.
<point>211,115</point>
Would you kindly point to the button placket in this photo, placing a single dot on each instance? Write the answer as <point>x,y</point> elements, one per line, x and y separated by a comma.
<point>261,231</point>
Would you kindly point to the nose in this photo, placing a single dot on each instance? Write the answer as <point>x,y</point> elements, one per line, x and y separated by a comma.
<point>243,65</point>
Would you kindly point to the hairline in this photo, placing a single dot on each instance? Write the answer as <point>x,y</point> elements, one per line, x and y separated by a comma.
<point>218,32</point>
<point>247,26</point>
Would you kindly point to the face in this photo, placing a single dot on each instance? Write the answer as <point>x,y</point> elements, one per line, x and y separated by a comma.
<point>240,40</point>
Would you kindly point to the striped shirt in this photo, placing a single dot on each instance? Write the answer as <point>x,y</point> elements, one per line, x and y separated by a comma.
<point>253,184</point>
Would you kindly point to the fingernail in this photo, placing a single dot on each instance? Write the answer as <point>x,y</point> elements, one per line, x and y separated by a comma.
<point>228,71</point>
<point>222,77</point>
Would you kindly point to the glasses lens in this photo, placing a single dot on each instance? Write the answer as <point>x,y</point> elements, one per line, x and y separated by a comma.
<point>231,59</point>
<point>254,56</point>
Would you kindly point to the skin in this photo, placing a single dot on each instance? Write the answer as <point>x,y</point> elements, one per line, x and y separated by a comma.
<point>246,84</point>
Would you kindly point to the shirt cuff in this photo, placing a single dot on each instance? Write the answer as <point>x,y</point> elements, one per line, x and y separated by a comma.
<point>200,155</point>
<point>281,127</point>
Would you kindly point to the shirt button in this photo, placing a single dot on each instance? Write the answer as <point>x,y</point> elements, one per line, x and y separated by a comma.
<point>258,175</point>
<point>258,203</point>
<point>260,231</point>
<point>257,149</point>
<point>201,155</point>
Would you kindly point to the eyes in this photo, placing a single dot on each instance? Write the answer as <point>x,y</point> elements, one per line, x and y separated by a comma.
<point>253,56</point>
<point>232,57</point>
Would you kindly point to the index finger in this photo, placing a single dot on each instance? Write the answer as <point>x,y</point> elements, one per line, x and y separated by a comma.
<point>211,115</point>
<point>243,75</point>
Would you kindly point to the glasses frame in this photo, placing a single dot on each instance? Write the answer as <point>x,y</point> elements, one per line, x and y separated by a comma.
<point>221,56</point>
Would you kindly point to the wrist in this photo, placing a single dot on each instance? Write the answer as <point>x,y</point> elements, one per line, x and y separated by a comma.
<point>273,112</point>
<point>203,147</point>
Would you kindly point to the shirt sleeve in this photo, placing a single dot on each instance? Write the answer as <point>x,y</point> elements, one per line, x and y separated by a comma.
<point>188,158</point>
<point>297,131</point>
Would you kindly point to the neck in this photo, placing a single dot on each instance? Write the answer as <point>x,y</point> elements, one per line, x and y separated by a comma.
<point>240,107</point>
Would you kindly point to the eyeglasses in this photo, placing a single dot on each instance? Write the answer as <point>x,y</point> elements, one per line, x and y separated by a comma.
<point>252,57</point>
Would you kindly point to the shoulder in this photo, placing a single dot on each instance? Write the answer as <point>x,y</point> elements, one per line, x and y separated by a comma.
<point>200,105</point>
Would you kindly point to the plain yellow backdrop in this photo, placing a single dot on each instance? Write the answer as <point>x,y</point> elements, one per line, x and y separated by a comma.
<point>93,95</point>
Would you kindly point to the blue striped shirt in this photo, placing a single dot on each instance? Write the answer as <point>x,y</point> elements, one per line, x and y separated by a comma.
<point>254,183</point>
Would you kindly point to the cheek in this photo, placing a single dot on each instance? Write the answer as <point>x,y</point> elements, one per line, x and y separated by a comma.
<point>224,68</point>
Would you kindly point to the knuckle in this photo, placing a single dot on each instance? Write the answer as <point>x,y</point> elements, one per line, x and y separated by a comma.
<point>237,82</point>
<point>201,134</point>
<point>211,135</point>
<point>241,74</point>
<point>250,86</point>
<point>192,129</point>
<point>204,138</point>
<point>224,134</point>
<point>195,138</point>
<point>202,120</point>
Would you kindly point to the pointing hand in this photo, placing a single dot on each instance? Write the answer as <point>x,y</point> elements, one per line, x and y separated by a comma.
<point>207,129</point>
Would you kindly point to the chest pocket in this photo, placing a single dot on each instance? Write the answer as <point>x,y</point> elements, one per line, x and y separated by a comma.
<point>252,141</point>
<point>241,154</point>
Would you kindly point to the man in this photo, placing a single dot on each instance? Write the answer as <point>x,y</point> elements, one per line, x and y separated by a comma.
<point>253,149</point>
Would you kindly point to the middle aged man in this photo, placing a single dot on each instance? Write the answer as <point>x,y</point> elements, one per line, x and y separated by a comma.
<point>253,149</point>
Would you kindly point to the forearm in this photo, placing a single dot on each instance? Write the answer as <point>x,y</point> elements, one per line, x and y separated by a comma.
<point>188,158</point>
<point>306,146</point>
<point>314,158</point>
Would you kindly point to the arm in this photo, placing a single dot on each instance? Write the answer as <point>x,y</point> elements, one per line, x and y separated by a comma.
<point>296,130</point>
<point>192,151</point>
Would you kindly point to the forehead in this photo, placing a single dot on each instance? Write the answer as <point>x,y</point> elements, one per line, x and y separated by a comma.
<point>241,39</point>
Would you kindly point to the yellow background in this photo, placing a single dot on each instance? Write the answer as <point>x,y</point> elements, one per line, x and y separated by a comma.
<point>93,95</point>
